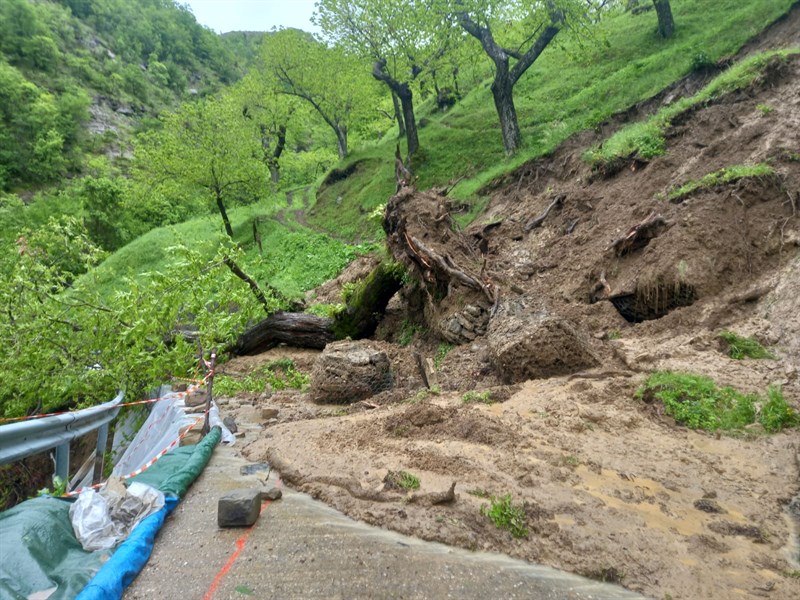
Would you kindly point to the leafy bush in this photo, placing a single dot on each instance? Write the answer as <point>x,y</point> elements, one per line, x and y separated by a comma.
<point>506,515</point>
<point>743,347</point>
<point>776,414</point>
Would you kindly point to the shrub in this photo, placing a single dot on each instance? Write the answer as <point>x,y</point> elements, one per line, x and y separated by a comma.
<point>506,515</point>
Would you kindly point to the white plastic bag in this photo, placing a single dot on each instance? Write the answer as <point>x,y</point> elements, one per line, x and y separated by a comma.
<point>103,519</point>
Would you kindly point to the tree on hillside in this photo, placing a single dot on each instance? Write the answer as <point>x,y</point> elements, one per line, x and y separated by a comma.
<point>488,21</point>
<point>324,77</point>
<point>205,148</point>
<point>402,38</point>
<point>666,24</point>
<point>271,113</point>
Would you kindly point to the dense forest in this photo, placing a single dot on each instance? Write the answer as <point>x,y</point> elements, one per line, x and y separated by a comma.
<point>141,155</point>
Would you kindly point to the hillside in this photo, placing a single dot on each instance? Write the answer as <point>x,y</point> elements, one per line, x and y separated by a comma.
<point>79,77</point>
<point>592,362</point>
<point>616,400</point>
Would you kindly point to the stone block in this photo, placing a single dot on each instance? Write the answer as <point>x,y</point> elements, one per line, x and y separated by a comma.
<point>239,508</point>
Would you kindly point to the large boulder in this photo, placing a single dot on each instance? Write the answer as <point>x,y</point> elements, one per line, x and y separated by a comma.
<point>349,371</point>
<point>529,343</point>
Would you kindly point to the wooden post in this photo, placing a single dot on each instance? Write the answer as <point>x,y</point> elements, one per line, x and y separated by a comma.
<point>99,455</point>
<point>209,385</point>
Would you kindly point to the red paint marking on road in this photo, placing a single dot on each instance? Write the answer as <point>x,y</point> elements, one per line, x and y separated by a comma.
<point>240,543</point>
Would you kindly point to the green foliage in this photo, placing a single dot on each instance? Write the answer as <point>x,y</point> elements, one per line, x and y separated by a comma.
<point>56,56</point>
<point>776,414</point>
<point>74,347</point>
<point>325,310</point>
<point>764,109</point>
<point>743,347</point>
<point>442,351</point>
<point>646,138</point>
<point>403,480</point>
<point>276,375</point>
<point>408,331</point>
<point>506,515</point>
<point>484,397</point>
<point>698,403</point>
<point>59,488</point>
<point>724,176</point>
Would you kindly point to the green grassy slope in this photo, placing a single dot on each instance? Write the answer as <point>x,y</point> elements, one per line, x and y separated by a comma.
<point>574,86</point>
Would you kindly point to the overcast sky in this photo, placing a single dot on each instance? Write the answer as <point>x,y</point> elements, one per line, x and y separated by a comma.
<point>252,15</point>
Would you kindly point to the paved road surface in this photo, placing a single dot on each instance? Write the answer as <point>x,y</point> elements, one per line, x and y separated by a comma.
<point>303,549</point>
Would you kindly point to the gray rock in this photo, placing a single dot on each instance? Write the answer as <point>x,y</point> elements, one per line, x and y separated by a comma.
<point>230,423</point>
<point>239,508</point>
<point>272,494</point>
<point>349,371</point>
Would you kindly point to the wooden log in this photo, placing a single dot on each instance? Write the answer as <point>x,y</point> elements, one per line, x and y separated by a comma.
<point>295,329</point>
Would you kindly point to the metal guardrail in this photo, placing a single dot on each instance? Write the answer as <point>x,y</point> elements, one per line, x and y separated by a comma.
<point>26,438</point>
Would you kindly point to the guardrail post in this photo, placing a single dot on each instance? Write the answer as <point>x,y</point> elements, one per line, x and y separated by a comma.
<point>209,386</point>
<point>100,453</point>
<point>62,461</point>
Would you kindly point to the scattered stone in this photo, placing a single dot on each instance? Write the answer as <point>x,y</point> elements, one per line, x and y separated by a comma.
<point>269,413</point>
<point>272,494</point>
<point>195,398</point>
<point>348,371</point>
<point>193,437</point>
<point>254,468</point>
<point>709,505</point>
<point>230,423</point>
<point>239,508</point>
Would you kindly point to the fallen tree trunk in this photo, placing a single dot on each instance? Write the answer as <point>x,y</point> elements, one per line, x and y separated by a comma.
<point>294,329</point>
<point>359,319</point>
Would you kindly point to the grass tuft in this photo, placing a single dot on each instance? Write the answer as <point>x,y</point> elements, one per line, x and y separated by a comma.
<point>484,397</point>
<point>739,347</point>
<point>724,176</point>
<point>697,402</point>
<point>506,515</point>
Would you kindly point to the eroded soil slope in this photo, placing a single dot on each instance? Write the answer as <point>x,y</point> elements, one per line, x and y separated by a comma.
<point>612,487</point>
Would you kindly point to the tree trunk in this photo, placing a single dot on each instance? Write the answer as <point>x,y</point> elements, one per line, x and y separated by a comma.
<point>294,329</point>
<point>666,24</point>
<point>503,94</point>
<point>341,140</point>
<point>223,213</point>
<point>407,103</point>
<point>398,115</point>
<point>365,308</point>
<point>273,160</point>
<point>403,92</point>
<point>358,320</point>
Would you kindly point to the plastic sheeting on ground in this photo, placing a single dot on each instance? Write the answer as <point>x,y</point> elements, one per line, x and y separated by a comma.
<point>39,552</point>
